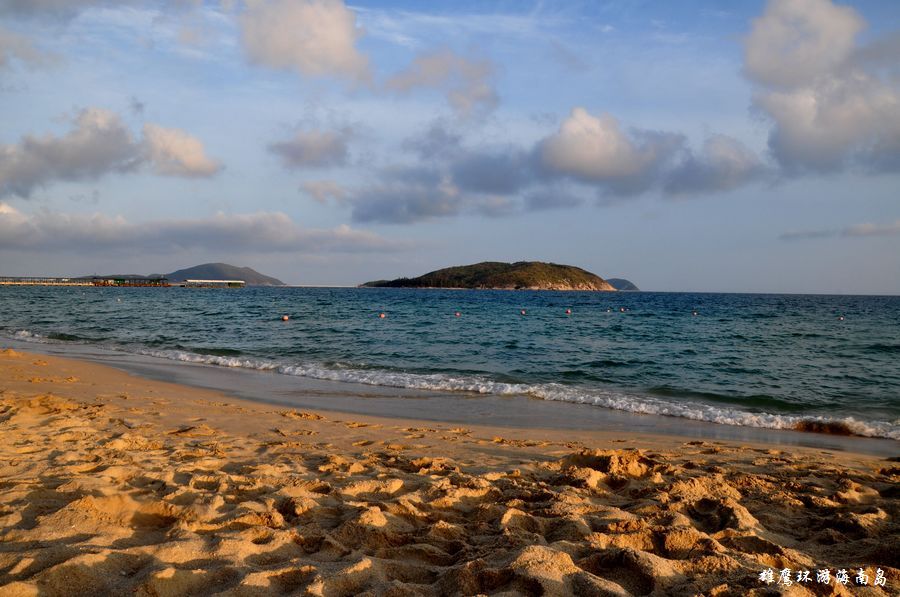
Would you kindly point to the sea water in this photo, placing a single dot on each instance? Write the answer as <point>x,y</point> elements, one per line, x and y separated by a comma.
<point>739,359</point>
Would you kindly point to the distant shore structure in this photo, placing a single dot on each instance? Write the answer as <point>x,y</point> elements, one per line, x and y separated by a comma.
<point>84,281</point>
<point>131,282</point>
<point>119,282</point>
<point>213,284</point>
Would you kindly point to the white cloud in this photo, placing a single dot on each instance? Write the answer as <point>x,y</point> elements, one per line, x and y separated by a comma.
<point>313,149</point>
<point>796,41</point>
<point>272,232</point>
<point>829,103</point>
<point>313,37</point>
<point>98,143</point>
<point>467,83</point>
<point>173,152</point>
<point>597,150</point>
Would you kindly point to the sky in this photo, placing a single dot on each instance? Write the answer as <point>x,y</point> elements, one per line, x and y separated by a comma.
<point>697,145</point>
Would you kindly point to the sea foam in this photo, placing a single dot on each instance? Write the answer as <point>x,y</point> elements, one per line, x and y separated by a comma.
<point>442,382</point>
<point>615,400</point>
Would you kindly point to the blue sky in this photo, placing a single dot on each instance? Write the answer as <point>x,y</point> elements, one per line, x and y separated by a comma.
<point>745,146</point>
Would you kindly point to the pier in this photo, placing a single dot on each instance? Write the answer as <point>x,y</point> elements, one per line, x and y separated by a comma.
<point>213,284</point>
<point>122,281</point>
<point>25,281</point>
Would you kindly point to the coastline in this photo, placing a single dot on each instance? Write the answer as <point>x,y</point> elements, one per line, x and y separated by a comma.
<point>516,412</point>
<point>117,483</point>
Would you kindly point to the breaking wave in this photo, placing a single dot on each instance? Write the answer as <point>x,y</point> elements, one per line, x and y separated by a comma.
<point>549,391</point>
<point>611,399</point>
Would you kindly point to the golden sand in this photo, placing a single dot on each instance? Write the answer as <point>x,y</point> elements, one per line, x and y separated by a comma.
<point>111,484</point>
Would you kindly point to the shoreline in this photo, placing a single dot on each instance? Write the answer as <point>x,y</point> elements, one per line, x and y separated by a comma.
<point>512,411</point>
<point>114,483</point>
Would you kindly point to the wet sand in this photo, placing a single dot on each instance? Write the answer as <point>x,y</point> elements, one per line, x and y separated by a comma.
<point>115,484</point>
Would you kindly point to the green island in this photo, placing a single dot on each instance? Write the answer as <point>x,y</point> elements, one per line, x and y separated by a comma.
<point>521,275</point>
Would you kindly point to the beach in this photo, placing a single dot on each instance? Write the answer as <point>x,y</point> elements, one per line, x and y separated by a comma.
<point>116,484</point>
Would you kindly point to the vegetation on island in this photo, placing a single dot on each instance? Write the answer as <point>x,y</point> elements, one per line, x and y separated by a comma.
<point>522,275</point>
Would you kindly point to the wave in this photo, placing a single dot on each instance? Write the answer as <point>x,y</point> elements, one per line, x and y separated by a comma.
<point>443,382</point>
<point>549,391</point>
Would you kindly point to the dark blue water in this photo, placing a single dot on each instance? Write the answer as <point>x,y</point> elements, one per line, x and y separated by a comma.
<point>758,360</point>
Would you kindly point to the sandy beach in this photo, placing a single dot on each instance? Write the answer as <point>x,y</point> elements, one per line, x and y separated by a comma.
<point>114,484</point>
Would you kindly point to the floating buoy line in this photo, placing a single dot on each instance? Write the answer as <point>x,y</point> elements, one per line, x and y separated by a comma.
<point>568,311</point>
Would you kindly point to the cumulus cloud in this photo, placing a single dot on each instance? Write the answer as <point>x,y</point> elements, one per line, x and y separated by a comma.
<point>98,143</point>
<point>723,164</point>
<point>323,190</point>
<point>795,42</point>
<point>313,149</point>
<point>829,101</point>
<point>587,156</point>
<point>468,84</point>
<point>596,150</point>
<point>313,37</point>
<point>173,152</point>
<point>272,232</point>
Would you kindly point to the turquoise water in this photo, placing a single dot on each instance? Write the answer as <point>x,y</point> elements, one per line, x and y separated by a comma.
<point>755,360</point>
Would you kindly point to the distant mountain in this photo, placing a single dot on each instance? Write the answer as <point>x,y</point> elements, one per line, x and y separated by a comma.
<point>622,284</point>
<point>223,271</point>
<point>522,275</point>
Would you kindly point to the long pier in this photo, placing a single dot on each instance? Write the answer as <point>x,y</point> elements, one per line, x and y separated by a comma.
<point>92,281</point>
<point>12,281</point>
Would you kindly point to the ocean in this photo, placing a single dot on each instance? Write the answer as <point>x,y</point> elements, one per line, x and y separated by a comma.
<point>770,361</point>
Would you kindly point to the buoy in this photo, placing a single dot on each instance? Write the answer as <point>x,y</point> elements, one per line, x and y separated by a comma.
<point>622,309</point>
<point>284,318</point>
<point>458,314</point>
<point>568,311</point>
<point>523,311</point>
<point>694,313</point>
<point>382,315</point>
<point>841,318</point>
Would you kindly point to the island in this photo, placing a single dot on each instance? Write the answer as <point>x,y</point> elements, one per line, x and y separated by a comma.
<point>521,275</point>
<point>622,284</point>
<point>224,271</point>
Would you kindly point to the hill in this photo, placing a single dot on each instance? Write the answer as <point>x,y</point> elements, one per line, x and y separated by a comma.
<point>622,284</point>
<point>223,271</point>
<point>522,275</point>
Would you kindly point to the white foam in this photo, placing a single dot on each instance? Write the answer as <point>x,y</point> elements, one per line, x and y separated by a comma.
<point>596,397</point>
<point>549,391</point>
<point>28,336</point>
